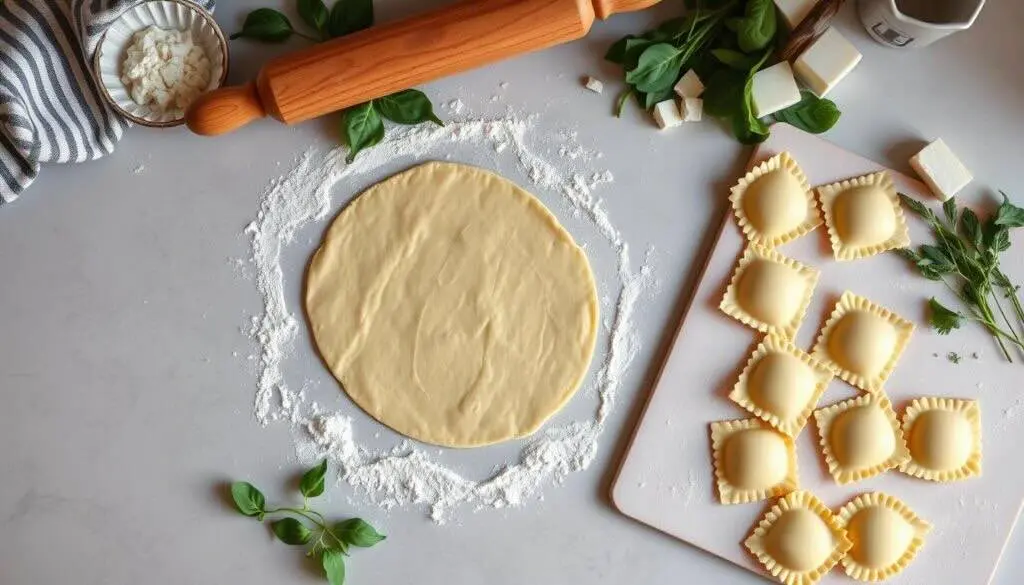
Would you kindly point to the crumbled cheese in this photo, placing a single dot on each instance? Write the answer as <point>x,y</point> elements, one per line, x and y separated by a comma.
<point>794,11</point>
<point>666,114</point>
<point>941,170</point>
<point>165,69</point>
<point>689,86</point>
<point>595,85</point>
<point>826,62</point>
<point>774,89</point>
<point>692,109</point>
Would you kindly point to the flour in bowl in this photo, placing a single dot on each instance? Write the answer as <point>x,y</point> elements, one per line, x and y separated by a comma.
<point>165,68</point>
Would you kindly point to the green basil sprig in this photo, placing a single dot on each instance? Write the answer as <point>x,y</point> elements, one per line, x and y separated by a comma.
<point>363,125</point>
<point>304,526</point>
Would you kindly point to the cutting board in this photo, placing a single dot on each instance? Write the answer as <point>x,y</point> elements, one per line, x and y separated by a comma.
<point>666,479</point>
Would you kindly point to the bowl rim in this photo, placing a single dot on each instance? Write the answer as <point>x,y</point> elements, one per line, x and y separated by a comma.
<point>194,7</point>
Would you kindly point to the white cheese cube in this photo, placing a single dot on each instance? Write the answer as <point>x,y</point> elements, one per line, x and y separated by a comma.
<point>666,114</point>
<point>689,86</point>
<point>941,170</point>
<point>594,85</point>
<point>774,89</point>
<point>692,109</point>
<point>826,62</point>
<point>794,11</point>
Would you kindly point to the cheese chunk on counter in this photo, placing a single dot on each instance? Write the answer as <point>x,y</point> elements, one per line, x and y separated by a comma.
<point>666,114</point>
<point>691,109</point>
<point>826,62</point>
<point>794,11</point>
<point>689,86</point>
<point>594,85</point>
<point>774,89</point>
<point>941,170</point>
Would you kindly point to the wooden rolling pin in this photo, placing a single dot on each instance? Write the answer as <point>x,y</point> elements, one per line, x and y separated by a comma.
<point>384,59</point>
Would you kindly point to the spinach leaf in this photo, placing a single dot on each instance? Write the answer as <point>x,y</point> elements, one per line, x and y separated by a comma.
<point>657,69</point>
<point>411,106</point>
<point>734,59</point>
<point>758,27</point>
<point>265,24</point>
<point>812,114</point>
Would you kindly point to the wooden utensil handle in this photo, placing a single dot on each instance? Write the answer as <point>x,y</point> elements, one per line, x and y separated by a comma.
<point>392,57</point>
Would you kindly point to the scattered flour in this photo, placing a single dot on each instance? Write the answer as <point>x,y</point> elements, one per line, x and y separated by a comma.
<point>406,474</point>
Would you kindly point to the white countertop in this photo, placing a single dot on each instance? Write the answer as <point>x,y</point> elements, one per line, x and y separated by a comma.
<point>123,409</point>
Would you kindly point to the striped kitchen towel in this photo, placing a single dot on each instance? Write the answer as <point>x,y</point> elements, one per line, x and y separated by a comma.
<point>51,108</point>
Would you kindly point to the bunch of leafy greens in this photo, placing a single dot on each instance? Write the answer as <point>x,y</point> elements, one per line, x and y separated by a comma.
<point>362,125</point>
<point>965,258</point>
<point>725,42</point>
<point>331,542</point>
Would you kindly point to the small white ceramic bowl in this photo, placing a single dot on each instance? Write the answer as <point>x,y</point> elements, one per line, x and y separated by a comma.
<point>166,14</point>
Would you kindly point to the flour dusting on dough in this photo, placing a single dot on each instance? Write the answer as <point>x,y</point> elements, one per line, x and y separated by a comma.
<point>408,473</point>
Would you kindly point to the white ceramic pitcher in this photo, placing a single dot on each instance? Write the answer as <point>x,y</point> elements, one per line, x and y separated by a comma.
<point>891,26</point>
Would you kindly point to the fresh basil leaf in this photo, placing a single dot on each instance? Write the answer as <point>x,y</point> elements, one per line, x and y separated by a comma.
<point>248,499</point>
<point>811,114</point>
<point>971,228</point>
<point>334,566</point>
<point>917,207</point>
<point>363,128</point>
<point>1009,215</point>
<point>620,102</point>
<point>265,24</point>
<point>291,531</point>
<point>314,13</point>
<point>349,16</point>
<point>657,69</point>
<point>758,26</point>
<point>949,210</point>
<point>312,484</point>
<point>357,532</point>
<point>734,59</point>
<point>943,319</point>
<point>411,106</point>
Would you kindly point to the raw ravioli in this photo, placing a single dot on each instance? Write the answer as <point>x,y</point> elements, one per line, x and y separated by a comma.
<point>773,202</point>
<point>752,461</point>
<point>861,438</point>
<point>863,216</point>
<point>886,535</point>
<point>944,436</point>
<point>769,292</point>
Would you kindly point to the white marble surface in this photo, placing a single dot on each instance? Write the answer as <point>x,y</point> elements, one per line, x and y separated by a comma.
<point>123,409</point>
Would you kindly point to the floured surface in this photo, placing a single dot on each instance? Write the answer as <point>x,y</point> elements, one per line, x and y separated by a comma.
<point>667,480</point>
<point>452,306</point>
<point>382,468</point>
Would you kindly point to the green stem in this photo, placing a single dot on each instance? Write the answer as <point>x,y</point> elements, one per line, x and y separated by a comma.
<point>1009,325</point>
<point>313,516</point>
<point>990,324</point>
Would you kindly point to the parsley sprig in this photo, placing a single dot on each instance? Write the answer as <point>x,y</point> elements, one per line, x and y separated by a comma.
<point>965,258</point>
<point>304,526</point>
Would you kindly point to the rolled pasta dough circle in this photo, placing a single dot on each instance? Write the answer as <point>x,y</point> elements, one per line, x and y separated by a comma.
<point>452,306</point>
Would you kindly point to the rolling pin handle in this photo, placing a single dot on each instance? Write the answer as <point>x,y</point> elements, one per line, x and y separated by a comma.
<point>605,8</point>
<point>225,109</point>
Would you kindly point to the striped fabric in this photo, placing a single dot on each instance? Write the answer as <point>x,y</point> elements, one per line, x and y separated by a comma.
<point>51,108</point>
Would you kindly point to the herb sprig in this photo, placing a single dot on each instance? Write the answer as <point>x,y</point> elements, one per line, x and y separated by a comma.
<point>363,125</point>
<point>302,526</point>
<point>726,42</point>
<point>965,258</point>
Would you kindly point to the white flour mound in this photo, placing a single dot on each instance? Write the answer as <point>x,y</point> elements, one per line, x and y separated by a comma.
<point>406,474</point>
